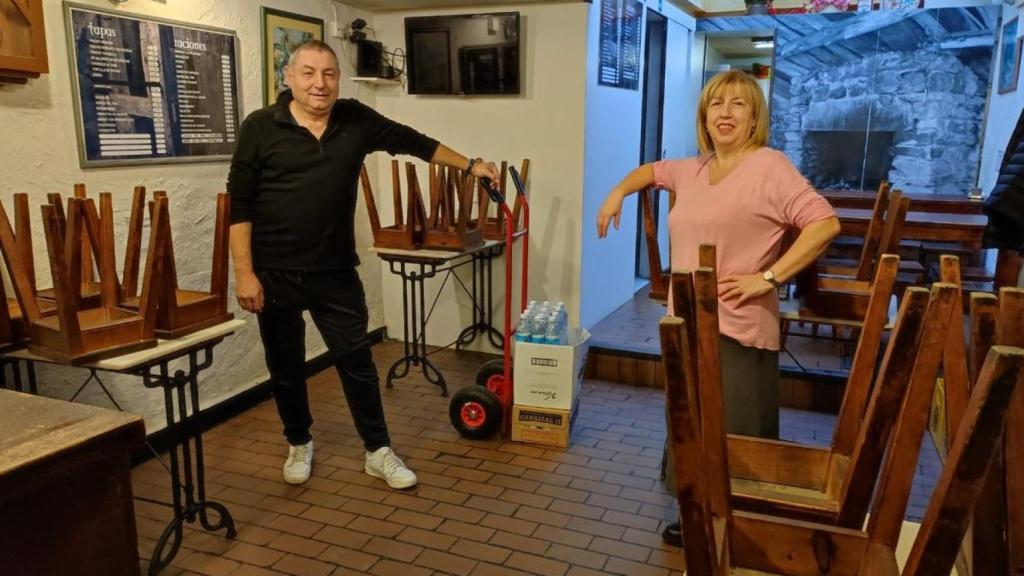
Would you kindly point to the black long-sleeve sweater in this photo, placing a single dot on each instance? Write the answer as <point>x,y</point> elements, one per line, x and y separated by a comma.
<point>300,192</point>
<point>1005,205</point>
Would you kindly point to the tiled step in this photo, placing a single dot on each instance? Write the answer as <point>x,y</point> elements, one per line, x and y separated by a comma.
<point>815,390</point>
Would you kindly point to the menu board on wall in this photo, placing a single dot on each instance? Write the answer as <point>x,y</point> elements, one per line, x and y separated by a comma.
<point>620,43</point>
<point>149,90</point>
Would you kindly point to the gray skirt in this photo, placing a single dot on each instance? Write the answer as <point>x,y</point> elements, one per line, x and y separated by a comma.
<point>750,386</point>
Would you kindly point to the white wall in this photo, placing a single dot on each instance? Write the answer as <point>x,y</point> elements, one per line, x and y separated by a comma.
<point>611,150</point>
<point>1003,111</point>
<point>38,154</point>
<point>544,123</point>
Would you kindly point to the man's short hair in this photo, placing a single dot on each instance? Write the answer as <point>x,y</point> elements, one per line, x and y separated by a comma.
<point>314,44</point>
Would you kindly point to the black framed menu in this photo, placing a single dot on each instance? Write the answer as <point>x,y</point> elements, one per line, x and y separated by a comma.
<point>619,48</point>
<point>148,90</point>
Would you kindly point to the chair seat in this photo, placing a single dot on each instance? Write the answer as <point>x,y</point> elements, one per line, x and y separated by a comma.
<point>193,311</point>
<point>90,294</point>
<point>848,267</point>
<point>104,332</point>
<point>183,297</point>
<point>95,320</point>
<point>46,308</point>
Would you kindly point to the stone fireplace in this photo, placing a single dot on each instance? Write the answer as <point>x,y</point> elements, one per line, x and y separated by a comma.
<point>848,159</point>
<point>910,117</point>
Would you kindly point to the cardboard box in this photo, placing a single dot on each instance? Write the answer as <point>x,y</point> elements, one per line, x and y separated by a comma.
<point>543,425</point>
<point>549,375</point>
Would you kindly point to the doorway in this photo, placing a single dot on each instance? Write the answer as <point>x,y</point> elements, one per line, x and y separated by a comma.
<point>752,51</point>
<point>652,114</point>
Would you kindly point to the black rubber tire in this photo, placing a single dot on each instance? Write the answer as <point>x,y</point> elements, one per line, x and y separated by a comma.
<point>491,368</point>
<point>486,401</point>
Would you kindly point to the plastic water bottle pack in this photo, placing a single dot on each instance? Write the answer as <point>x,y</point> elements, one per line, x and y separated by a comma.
<point>544,323</point>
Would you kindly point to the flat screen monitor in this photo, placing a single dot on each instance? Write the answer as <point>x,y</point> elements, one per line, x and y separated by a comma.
<point>463,54</point>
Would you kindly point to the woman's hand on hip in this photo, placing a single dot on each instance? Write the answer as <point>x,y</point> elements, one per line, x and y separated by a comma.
<point>743,287</point>
<point>249,292</point>
<point>610,213</point>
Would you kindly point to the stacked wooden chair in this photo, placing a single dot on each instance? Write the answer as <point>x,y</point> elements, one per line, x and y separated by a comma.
<point>77,331</point>
<point>659,279</point>
<point>718,538</point>
<point>443,218</point>
<point>449,225</point>
<point>87,289</point>
<point>72,323</point>
<point>839,290</point>
<point>13,327</point>
<point>179,311</point>
<point>407,231</point>
<point>830,485</point>
<point>996,542</point>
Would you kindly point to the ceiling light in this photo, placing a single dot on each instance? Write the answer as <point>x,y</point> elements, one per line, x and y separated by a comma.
<point>763,42</point>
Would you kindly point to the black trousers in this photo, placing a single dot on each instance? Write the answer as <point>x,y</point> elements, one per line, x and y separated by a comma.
<point>337,304</point>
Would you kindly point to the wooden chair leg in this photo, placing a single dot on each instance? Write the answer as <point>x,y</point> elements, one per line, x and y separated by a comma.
<point>1011,333</point>
<point>945,522</point>
<point>133,246</point>
<point>692,487</point>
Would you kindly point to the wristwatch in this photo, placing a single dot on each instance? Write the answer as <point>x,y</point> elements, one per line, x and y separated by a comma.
<point>769,276</point>
<point>472,161</point>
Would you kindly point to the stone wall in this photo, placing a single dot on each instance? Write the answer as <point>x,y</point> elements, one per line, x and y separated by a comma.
<point>929,99</point>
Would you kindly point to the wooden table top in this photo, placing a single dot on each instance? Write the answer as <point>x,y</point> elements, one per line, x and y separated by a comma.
<point>163,348</point>
<point>34,429</point>
<point>431,256</point>
<point>922,219</point>
<point>954,203</point>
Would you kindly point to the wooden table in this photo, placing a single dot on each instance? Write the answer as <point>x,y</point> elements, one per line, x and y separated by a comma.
<point>190,355</point>
<point>949,203</point>
<point>967,229</point>
<point>943,227</point>
<point>414,267</point>
<point>65,488</point>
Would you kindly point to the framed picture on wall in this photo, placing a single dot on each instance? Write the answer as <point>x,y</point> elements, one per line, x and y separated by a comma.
<point>1009,57</point>
<point>282,33</point>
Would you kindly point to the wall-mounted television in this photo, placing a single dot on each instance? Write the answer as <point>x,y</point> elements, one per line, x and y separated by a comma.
<point>463,54</point>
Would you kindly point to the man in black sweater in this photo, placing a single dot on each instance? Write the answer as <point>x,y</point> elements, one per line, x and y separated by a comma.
<point>293,198</point>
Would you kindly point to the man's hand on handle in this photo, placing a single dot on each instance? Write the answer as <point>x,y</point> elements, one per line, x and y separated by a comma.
<point>483,169</point>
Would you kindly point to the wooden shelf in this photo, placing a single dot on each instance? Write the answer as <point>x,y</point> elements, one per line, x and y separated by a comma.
<point>375,80</point>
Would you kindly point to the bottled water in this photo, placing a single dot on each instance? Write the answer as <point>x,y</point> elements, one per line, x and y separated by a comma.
<point>538,330</point>
<point>544,323</point>
<point>553,333</point>
<point>525,326</point>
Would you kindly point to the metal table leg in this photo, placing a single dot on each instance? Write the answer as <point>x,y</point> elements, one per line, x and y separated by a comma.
<point>414,327</point>
<point>482,301</point>
<point>184,430</point>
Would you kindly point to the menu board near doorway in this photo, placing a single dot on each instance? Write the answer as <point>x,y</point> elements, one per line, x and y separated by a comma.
<point>619,49</point>
<point>149,90</point>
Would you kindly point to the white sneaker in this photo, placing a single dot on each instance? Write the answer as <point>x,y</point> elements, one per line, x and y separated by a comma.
<point>384,463</point>
<point>299,463</point>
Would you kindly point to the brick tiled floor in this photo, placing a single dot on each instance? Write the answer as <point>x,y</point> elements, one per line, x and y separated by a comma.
<point>481,509</point>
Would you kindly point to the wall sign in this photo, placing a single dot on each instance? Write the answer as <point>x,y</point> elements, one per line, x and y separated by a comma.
<point>150,91</point>
<point>619,49</point>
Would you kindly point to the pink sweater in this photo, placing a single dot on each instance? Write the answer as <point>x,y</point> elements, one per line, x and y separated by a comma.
<point>745,216</point>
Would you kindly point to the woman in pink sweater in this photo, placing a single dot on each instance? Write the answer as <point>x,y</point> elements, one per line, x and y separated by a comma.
<point>742,197</point>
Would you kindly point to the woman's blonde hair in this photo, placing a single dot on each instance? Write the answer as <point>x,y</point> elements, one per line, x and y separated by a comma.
<point>750,91</point>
